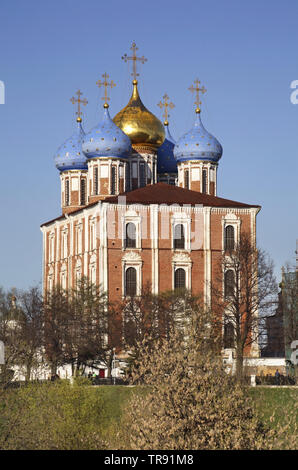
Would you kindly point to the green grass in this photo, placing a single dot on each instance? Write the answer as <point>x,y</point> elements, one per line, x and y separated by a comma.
<point>101,408</point>
<point>279,401</point>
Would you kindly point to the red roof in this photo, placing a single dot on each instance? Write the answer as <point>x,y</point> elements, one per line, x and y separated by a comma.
<point>162,193</point>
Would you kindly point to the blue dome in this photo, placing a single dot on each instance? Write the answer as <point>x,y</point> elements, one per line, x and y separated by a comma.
<point>69,155</point>
<point>106,140</point>
<point>166,162</point>
<point>198,144</point>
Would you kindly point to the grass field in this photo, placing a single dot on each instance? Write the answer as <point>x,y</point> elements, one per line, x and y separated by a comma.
<point>98,411</point>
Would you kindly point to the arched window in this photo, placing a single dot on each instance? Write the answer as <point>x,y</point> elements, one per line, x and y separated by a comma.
<point>95,182</point>
<point>130,235</point>
<point>127,177</point>
<point>131,282</point>
<point>204,181</point>
<point>229,283</point>
<point>179,279</point>
<point>67,192</point>
<point>179,237</point>
<point>229,237</point>
<point>229,335</point>
<point>113,180</point>
<point>83,192</point>
<point>186,179</point>
<point>142,175</point>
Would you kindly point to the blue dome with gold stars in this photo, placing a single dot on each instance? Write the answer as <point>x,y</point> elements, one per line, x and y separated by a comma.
<point>69,155</point>
<point>106,140</point>
<point>166,162</point>
<point>198,144</point>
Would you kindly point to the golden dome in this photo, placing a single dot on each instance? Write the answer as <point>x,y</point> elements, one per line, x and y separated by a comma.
<point>141,126</point>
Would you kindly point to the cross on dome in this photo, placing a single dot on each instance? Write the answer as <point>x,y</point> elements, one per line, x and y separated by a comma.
<point>105,84</point>
<point>197,89</point>
<point>79,102</point>
<point>134,60</point>
<point>165,104</point>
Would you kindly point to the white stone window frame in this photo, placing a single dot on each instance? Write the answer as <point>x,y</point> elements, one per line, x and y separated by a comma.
<point>63,276</point>
<point>134,218</point>
<point>52,246</point>
<point>79,238</point>
<point>92,269</point>
<point>92,233</point>
<point>64,244</point>
<point>78,271</point>
<point>50,279</point>
<point>132,260</point>
<point>185,220</point>
<point>182,261</point>
<point>235,222</point>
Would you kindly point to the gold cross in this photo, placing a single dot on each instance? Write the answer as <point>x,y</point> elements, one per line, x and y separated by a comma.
<point>79,101</point>
<point>105,83</point>
<point>166,105</point>
<point>134,59</point>
<point>197,89</point>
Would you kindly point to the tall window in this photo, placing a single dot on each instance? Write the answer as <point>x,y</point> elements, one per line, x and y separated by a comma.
<point>113,180</point>
<point>142,175</point>
<point>229,335</point>
<point>95,181</point>
<point>179,237</point>
<point>67,192</point>
<point>229,237</point>
<point>204,181</point>
<point>179,279</point>
<point>186,179</point>
<point>83,192</point>
<point>229,283</point>
<point>131,282</point>
<point>153,173</point>
<point>130,235</point>
<point>127,177</point>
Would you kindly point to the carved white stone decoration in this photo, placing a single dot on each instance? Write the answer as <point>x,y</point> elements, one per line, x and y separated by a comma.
<point>131,256</point>
<point>181,258</point>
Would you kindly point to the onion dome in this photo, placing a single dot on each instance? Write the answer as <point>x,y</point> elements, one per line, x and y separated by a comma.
<point>69,156</point>
<point>106,139</point>
<point>166,162</point>
<point>198,144</point>
<point>139,124</point>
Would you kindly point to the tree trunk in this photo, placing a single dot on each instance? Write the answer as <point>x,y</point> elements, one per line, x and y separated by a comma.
<point>239,367</point>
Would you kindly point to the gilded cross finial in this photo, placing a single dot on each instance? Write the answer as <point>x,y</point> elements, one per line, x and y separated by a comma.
<point>79,101</point>
<point>105,84</point>
<point>165,104</point>
<point>134,59</point>
<point>197,89</point>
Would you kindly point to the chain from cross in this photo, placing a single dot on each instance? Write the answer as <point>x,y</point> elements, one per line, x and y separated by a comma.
<point>105,84</point>
<point>165,104</point>
<point>197,89</point>
<point>134,59</point>
<point>79,101</point>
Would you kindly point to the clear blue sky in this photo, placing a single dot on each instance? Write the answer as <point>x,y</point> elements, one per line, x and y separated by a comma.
<point>245,53</point>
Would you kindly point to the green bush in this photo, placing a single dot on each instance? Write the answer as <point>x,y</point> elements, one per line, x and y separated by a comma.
<point>51,416</point>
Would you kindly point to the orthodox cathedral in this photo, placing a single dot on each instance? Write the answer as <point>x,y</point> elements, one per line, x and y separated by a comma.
<point>140,208</point>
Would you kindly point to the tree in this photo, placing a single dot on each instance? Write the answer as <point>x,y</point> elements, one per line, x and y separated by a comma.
<point>149,317</point>
<point>56,330</point>
<point>289,301</point>
<point>95,326</point>
<point>188,401</point>
<point>81,327</point>
<point>30,326</point>
<point>21,324</point>
<point>249,293</point>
